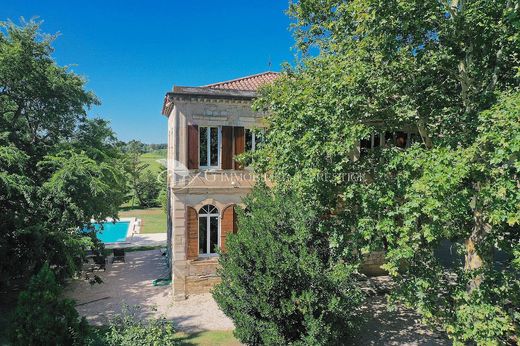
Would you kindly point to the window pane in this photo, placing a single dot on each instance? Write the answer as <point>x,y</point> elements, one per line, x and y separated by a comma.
<point>249,140</point>
<point>377,139</point>
<point>212,209</point>
<point>203,146</point>
<point>213,234</point>
<point>400,139</point>
<point>365,145</point>
<point>203,235</point>
<point>213,146</point>
<point>414,138</point>
<point>389,138</point>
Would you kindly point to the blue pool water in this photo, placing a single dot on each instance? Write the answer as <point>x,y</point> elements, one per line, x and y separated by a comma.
<point>112,232</point>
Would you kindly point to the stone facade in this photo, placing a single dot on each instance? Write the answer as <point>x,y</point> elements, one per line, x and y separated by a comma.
<point>191,189</point>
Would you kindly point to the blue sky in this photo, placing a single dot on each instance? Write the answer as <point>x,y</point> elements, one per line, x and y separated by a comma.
<point>133,52</point>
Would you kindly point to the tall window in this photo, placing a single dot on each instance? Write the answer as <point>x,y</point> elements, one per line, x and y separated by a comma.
<point>253,139</point>
<point>371,142</point>
<point>208,230</point>
<point>400,139</point>
<point>209,147</point>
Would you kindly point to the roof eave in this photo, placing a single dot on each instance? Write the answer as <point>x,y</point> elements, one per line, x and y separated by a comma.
<point>201,92</point>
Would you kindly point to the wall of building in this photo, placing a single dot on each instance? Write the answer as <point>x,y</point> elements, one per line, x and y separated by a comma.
<point>219,188</point>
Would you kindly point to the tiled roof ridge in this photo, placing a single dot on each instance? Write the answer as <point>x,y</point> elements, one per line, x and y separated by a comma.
<point>222,85</point>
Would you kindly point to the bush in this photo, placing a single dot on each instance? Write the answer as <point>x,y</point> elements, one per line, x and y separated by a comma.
<point>43,318</point>
<point>280,283</point>
<point>128,330</point>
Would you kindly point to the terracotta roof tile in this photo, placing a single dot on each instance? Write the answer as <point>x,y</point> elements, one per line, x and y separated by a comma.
<point>251,83</point>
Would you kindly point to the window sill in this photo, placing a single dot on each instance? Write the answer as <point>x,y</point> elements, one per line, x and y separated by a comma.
<point>206,258</point>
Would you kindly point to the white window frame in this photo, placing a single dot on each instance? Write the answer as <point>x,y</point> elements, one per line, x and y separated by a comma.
<point>253,138</point>
<point>382,141</point>
<point>373,138</point>
<point>208,231</point>
<point>208,149</point>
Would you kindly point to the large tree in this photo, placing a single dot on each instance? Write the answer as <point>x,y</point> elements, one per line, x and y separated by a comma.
<point>450,70</point>
<point>58,168</point>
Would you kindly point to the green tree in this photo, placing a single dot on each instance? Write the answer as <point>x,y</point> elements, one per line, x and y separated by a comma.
<point>147,189</point>
<point>42,317</point>
<point>59,169</point>
<point>281,281</point>
<point>449,70</point>
<point>143,182</point>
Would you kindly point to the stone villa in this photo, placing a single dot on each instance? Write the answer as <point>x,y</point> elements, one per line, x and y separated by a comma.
<point>207,127</point>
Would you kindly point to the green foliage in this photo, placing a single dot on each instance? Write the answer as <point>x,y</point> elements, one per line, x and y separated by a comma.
<point>163,200</point>
<point>281,281</point>
<point>127,329</point>
<point>143,181</point>
<point>449,71</point>
<point>58,169</point>
<point>486,323</point>
<point>42,317</point>
<point>135,145</point>
<point>147,189</point>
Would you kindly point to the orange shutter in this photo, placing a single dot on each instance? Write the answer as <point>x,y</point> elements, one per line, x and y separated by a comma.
<point>235,227</point>
<point>227,147</point>
<point>227,225</point>
<point>192,223</point>
<point>239,143</point>
<point>193,146</point>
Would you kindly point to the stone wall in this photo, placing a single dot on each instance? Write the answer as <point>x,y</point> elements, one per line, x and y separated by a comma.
<point>202,275</point>
<point>371,266</point>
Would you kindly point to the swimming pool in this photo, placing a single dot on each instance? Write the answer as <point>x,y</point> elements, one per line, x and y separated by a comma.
<point>112,232</point>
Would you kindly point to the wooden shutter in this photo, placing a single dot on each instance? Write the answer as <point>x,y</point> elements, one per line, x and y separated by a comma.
<point>227,147</point>
<point>235,227</point>
<point>192,223</point>
<point>227,226</point>
<point>193,146</point>
<point>239,143</point>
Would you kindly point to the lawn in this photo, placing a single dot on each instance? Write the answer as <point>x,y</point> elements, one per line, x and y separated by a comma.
<point>209,338</point>
<point>153,219</point>
<point>151,159</point>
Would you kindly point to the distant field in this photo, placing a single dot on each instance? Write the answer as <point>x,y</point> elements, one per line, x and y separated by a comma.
<point>151,159</point>
<point>154,219</point>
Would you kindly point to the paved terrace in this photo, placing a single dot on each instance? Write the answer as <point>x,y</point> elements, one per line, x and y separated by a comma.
<point>131,283</point>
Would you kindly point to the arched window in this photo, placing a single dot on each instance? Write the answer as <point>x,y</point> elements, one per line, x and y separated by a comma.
<point>208,230</point>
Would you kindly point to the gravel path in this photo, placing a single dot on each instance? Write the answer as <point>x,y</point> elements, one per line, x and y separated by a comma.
<point>131,283</point>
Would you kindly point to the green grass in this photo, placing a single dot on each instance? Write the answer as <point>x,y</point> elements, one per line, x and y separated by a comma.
<point>153,219</point>
<point>151,159</point>
<point>209,338</point>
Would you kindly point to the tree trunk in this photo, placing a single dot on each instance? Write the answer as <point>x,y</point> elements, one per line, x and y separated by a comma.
<point>423,131</point>
<point>474,259</point>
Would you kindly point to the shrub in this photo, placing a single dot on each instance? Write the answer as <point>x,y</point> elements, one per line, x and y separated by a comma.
<point>43,318</point>
<point>280,283</point>
<point>127,329</point>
